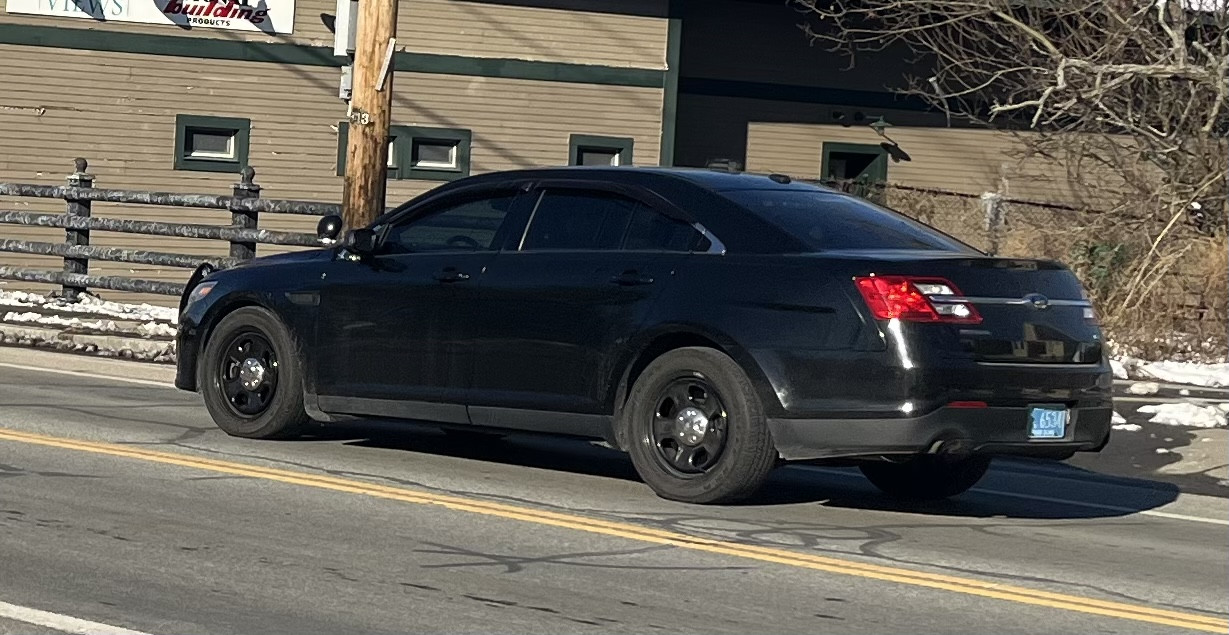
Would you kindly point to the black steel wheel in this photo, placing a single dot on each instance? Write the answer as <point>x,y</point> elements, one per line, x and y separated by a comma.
<point>689,426</point>
<point>252,382</point>
<point>696,430</point>
<point>249,369</point>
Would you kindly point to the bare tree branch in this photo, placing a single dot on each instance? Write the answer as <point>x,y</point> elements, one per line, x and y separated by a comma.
<point>1141,83</point>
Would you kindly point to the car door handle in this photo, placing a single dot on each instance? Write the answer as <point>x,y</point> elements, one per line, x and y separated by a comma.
<point>451,275</point>
<point>630,278</point>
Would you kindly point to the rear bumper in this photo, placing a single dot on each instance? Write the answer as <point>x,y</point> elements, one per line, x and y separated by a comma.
<point>1000,431</point>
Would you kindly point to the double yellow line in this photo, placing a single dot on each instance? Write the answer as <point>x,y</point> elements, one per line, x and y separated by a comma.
<point>968,586</point>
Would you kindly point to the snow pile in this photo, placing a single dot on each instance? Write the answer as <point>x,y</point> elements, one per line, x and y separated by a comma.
<point>157,329</point>
<point>1190,373</point>
<point>55,320</point>
<point>1208,374</point>
<point>91,304</point>
<point>1144,388</point>
<point>1189,414</point>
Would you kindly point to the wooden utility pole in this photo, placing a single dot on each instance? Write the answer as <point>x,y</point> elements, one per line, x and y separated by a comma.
<point>371,103</point>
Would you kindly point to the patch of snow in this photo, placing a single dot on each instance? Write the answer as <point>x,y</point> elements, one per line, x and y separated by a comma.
<point>1184,392</point>
<point>56,320</point>
<point>1189,414</point>
<point>157,329</point>
<point>1120,370</point>
<point>1144,388</point>
<point>1164,451</point>
<point>1128,427</point>
<point>91,304</point>
<point>1117,418</point>
<point>1206,375</point>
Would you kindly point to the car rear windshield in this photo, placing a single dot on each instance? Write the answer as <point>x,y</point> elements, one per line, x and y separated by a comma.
<point>830,221</point>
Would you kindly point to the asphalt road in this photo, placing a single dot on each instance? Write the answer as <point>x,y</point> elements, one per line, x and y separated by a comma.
<point>122,505</point>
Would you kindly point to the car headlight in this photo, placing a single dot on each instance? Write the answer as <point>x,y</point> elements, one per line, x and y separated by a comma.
<point>199,292</point>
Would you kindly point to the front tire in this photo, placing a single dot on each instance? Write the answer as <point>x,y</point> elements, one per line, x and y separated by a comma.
<point>697,429</point>
<point>252,379</point>
<point>927,477</point>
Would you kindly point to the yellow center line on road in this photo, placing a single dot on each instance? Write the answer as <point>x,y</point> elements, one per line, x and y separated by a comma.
<point>969,586</point>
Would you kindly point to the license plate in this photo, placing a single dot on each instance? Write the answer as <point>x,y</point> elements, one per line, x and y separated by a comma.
<point>1047,422</point>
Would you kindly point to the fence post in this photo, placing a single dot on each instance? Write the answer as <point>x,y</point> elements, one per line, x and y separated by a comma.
<point>244,189</point>
<point>79,209</point>
<point>992,213</point>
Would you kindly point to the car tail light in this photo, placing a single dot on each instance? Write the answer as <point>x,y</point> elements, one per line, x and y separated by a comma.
<point>916,299</point>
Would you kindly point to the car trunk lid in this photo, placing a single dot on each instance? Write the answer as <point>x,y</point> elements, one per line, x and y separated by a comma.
<point>1017,311</point>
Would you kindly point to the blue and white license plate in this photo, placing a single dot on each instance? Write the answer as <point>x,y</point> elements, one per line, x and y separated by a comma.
<point>1048,422</point>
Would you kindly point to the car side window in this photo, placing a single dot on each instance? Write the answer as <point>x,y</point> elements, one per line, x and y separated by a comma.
<point>468,226</point>
<point>650,230</point>
<point>578,220</point>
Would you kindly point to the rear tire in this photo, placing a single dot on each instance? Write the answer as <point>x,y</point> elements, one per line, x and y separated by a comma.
<point>252,380</point>
<point>927,477</point>
<point>709,442</point>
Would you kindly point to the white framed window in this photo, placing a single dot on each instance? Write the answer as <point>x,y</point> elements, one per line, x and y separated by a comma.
<point>211,144</point>
<point>584,149</point>
<point>414,152</point>
<point>434,154</point>
<point>599,156</point>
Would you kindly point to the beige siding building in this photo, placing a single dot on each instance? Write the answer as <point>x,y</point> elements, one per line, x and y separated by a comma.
<point>158,101</point>
<point>518,83</point>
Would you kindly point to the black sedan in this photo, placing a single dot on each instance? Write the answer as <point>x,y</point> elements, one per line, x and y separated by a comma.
<point>711,324</point>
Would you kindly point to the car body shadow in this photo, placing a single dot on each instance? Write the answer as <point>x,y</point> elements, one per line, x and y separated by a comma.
<point>1012,489</point>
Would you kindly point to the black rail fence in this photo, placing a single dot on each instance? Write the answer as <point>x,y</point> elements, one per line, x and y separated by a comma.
<point>244,204</point>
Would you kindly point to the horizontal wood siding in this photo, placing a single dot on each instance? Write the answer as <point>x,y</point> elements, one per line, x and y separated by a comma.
<point>122,117</point>
<point>456,27</point>
<point>493,30</point>
<point>960,160</point>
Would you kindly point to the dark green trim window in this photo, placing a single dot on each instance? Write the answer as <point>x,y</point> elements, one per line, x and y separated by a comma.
<point>417,153</point>
<point>586,149</point>
<point>854,162</point>
<point>211,144</point>
<point>858,168</point>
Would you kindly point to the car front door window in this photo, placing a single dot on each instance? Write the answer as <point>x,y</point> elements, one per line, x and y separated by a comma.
<point>472,225</point>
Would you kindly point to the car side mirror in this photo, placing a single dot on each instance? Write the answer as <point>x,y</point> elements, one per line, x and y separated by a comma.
<point>328,229</point>
<point>361,241</point>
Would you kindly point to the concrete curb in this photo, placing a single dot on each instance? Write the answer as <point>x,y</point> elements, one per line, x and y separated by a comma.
<point>67,339</point>
<point>61,362</point>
